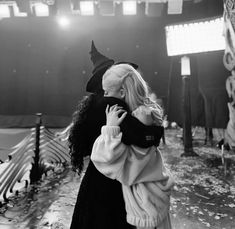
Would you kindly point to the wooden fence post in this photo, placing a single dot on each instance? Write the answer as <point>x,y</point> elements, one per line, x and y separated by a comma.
<point>36,172</point>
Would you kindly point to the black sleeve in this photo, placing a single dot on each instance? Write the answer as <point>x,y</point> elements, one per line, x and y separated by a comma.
<point>136,133</point>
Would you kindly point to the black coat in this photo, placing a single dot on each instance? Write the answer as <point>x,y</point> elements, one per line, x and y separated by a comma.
<point>100,203</point>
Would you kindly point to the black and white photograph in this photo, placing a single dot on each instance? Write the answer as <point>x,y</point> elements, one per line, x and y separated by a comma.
<point>117,114</point>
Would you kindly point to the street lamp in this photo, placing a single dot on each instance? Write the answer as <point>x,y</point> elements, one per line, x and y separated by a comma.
<point>186,105</point>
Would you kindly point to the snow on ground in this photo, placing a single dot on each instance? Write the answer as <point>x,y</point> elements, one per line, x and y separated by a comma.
<point>203,197</point>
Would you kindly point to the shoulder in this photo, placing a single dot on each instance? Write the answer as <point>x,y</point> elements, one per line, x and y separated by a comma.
<point>113,101</point>
<point>142,110</point>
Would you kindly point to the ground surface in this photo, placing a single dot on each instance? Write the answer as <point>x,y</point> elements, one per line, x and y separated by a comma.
<point>203,197</point>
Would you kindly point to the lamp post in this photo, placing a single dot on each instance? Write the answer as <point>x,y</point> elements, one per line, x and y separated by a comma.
<point>187,133</point>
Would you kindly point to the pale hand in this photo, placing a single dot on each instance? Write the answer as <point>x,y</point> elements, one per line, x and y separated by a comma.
<point>112,114</point>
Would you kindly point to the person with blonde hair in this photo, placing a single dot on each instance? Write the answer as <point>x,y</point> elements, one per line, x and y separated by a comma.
<point>146,183</point>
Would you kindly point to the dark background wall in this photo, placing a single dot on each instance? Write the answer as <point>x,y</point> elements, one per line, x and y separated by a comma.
<point>44,68</point>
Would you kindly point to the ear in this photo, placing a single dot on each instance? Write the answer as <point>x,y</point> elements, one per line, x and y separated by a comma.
<point>122,93</point>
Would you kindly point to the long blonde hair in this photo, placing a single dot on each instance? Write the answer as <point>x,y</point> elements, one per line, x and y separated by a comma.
<point>137,91</point>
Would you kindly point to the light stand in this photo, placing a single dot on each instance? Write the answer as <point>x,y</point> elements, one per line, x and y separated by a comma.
<point>187,133</point>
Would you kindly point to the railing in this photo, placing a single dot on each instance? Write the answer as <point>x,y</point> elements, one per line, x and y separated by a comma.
<point>53,148</point>
<point>16,168</point>
<point>40,151</point>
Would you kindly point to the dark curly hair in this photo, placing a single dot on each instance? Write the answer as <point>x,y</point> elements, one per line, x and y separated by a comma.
<point>78,142</point>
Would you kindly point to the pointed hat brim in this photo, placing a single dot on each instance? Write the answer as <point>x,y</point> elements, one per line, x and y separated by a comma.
<point>101,63</point>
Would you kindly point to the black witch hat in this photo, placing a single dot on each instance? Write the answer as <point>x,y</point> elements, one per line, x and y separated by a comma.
<point>101,63</point>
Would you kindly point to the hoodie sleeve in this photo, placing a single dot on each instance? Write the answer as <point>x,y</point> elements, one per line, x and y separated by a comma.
<point>108,152</point>
<point>127,164</point>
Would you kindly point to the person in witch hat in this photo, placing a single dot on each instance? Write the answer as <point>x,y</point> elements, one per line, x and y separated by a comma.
<point>100,203</point>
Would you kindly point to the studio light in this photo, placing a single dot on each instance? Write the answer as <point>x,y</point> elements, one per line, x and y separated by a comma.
<point>4,11</point>
<point>87,8</point>
<point>195,37</point>
<point>175,6</point>
<point>41,10</point>
<point>63,21</point>
<point>129,7</point>
<point>185,66</point>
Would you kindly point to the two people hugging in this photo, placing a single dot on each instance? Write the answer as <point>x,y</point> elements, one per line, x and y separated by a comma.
<point>146,183</point>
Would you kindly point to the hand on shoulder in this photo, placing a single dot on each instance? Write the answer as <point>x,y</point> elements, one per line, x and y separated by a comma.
<point>114,115</point>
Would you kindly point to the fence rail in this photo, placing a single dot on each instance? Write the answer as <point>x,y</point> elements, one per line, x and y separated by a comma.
<point>40,151</point>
